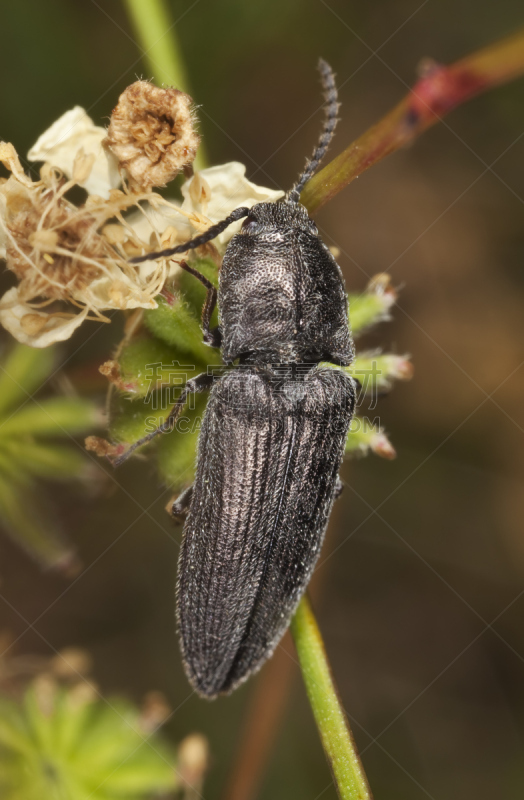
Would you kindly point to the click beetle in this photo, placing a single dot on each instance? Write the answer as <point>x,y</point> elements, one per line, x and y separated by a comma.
<point>273,434</point>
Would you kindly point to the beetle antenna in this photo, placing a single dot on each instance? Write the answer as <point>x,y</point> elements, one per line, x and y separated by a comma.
<point>331,95</point>
<point>211,232</point>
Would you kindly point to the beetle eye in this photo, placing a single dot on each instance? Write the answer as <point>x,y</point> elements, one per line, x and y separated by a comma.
<point>249,224</point>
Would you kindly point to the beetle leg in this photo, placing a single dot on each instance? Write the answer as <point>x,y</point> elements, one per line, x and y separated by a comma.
<point>194,385</point>
<point>339,488</point>
<point>178,508</point>
<point>211,337</point>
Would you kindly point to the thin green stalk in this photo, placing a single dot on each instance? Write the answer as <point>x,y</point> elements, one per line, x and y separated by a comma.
<point>340,749</point>
<point>156,34</point>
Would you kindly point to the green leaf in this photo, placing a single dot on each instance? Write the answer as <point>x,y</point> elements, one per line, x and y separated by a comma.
<point>364,436</point>
<point>64,745</point>
<point>376,371</point>
<point>14,733</point>
<point>193,291</point>
<point>22,373</point>
<point>368,309</point>
<point>134,418</point>
<point>54,462</point>
<point>177,450</point>
<point>25,515</point>
<point>57,416</point>
<point>177,324</point>
<point>148,364</point>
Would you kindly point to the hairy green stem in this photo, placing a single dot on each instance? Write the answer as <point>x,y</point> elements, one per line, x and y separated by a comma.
<point>340,749</point>
<point>156,34</point>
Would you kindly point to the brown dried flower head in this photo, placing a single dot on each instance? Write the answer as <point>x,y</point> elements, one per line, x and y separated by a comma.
<point>60,252</point>
<point>151,134</point>
<point>48,239</point>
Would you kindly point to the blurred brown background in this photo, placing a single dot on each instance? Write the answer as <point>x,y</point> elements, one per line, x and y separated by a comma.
<point>421,604</point>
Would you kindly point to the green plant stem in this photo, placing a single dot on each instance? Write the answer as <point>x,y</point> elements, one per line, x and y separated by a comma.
<point>156,34</point>
<point>340,749</point>
<point>439,91</point>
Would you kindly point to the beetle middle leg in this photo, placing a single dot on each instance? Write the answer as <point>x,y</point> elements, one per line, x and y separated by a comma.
<point>194,385</point>
<point>211,337</point>
<point>339,488</point>
<point>178,507</point>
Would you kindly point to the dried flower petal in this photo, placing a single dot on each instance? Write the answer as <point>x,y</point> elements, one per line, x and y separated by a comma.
<point>151,134</point>
<point>79,255</point>
<point>216,192</point>
<point>209,196</point>
<point>72,134</point>
<point>61,252</point>
<point>36,328</point>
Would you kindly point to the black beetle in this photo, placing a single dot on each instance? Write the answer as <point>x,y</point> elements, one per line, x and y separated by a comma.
<point>272,438</point>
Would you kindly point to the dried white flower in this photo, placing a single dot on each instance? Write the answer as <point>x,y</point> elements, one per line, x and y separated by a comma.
<point>209,196</point>
<point>58,253</point>
<point>60,145</point>
<point>72,262</point>
<point>33,327</point>
<point>216,192</point>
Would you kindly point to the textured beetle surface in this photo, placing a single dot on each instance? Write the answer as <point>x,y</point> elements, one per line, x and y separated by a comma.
<point>281,296</point>
<point>272,438</point>
<point>268,458</point>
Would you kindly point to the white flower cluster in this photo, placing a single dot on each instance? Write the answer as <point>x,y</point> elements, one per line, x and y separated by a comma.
<point>71,261</point>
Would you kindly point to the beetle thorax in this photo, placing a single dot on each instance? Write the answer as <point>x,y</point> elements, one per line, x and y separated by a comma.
<point>281,296</point>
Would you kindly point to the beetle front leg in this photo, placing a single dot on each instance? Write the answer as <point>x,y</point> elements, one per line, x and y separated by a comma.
<point>211,337</point>
<point>198,384</point>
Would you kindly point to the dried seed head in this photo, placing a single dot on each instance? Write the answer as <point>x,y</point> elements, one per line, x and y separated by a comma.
<point>151,133</point>
<point>193,759</point>
<point>62,253</point>
<point>155,711</point>
<point>46,236</point>
<point>71,662</point>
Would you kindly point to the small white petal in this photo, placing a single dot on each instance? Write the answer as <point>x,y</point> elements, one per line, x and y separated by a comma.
<point>229,189</point>
<point>157,220</point>
<point>3,232</point>
<point>149,224</point>
<point>60,144</point>
<point>116,291</point>
<point>33,327</point>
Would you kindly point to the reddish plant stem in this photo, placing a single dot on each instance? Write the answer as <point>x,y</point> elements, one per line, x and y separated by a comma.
<point>440,89</point>
<point>263,717</point>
